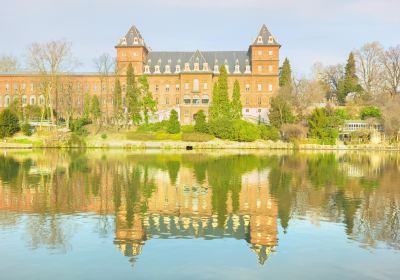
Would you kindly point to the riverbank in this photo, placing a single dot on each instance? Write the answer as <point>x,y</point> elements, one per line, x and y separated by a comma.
<point>216,144</point>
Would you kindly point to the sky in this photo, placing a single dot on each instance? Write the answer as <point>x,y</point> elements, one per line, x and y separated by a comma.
<point>309,30</point>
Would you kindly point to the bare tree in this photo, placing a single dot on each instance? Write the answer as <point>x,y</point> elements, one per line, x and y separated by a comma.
<point>104,66</point>
<point>307,94</point>
<point>391,64</point>
<point>332,76</point>
<point>8,64</point>
<point>50,61</point>
<point>369,67</point>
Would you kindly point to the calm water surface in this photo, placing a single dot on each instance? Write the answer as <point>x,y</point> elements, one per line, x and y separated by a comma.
<point>168,215</point>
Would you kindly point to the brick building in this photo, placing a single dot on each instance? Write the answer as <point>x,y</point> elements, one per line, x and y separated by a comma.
<point>178,80</point>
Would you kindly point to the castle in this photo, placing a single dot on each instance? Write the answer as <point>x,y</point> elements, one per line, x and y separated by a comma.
<point>178,80</point>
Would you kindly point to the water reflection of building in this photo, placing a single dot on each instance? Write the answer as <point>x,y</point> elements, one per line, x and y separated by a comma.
<point>185,210</point>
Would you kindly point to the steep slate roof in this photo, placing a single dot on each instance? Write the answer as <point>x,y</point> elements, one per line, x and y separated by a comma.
<point>129,39</point>
<point>265,38</point>
<point>230,58</point>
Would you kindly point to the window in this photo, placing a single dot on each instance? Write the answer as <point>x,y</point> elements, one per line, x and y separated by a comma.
<point>134,54</point>
<point>247,70</point>
<point>270,87</point>
<point>270,39</point>
<point>196,86</point>
<point>205,99</point>
<point>259,87</point>
<point>135,40</point>
<point>259,40</point>
<point>166,100</point>
<point>156,88</point>
<point>247,100</point>
<point>205,66</point>
<point>177,87</point>
<point>123,54</point>
<point>147,69</point>
<point>15,86</point>
<point>157,69</point>
<point>6,101</point>
<point>32,87</point>
<point>166,88</point>
<point>259,110</point>
<point>186,85</point>
<point>259,68</point>
<point>95,87</point>
<point>247,110</point>
<point>237,69</point>
<point>187,67</point>
<point>23,86</point>
<point>186,99</point>
<point>205,86</point>
<point>196,67</point>
<point>270,52</point>
<point>259,100</point>
<point>270,68</point>
<point>259,52</point>
<point>41,100</point>
<point>177,69</point>
<point>247,88</point>
<point>196,99</point>
<point>7,87</point>
<point>177,100</point>
<point>24,100</point>
<point>167,69</point>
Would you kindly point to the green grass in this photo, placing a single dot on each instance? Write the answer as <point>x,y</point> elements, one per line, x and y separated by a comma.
<point>152,136</point>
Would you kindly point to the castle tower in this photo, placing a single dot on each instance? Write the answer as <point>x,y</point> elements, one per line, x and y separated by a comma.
<point>264,53</point>
<point>131,49</point>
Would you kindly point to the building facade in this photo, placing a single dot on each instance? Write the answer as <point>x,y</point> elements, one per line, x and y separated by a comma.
<point>178,80</point>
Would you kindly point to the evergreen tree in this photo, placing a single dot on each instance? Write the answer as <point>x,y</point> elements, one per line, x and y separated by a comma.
<point>173,123</point>
<point>285,75</point>
<point>95,111</point>
<point>323,124</point>
<point>86,106</point>
<point>149,105</point>
<point>132,96</point>
<point>9,123</point>
<point>200,122</point>
<point>236,105</point>
<point>213,109</point>
<point>350,81</point>
<point>118,109</point>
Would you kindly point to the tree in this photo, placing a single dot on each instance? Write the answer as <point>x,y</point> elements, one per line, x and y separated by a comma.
<point>8,64</point>
<point>173,123</point>
<point>350,80</point>
<point>370,112</point>
<point>132,96</point>
<point>220,103</point>
<point>95,111</point>
<point>323,125</point>
<point>9,123</point>
<point>285,75</point>
<point>280,112</point>
<point>391,63</point>
<point>86,106</point>
<point>149,105</point>
<point>200,122</point>
<point>104,64</point>
<point>50,60</point>
<point>333,76</point>
<point>236,104</point>
<point>117,108</point>
<point>369,67</point>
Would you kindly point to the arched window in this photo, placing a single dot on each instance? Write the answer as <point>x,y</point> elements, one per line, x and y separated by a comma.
<point>186,99</point>
<point>196,86</point>
<point>135,40</point>
<point>147,69</point>
<point>7,101</point>
<point>196,99</point>
<point>24,100</point>
<point>41,100</point>
<point>205,99</point>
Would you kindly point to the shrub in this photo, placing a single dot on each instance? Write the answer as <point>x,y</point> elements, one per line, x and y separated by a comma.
<point>245,131</point>
<point>200,122</point>
<point>26,129</point>
<point>196,137</point>
<point>187,128</point>
<point>104,136</point>
<point>370,112</point>
<point>9,124</point>
<point>76,141</point>
<point>269,133</point>
<point>174,126</point>
<point>292,132</point>
<point>222,128</point>
<point>153,127</point>
<point>152,136</point>
<point>77,126</point>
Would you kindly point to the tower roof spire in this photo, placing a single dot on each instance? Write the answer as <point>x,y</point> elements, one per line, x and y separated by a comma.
<point>264,37</point>
<point>132,38</point>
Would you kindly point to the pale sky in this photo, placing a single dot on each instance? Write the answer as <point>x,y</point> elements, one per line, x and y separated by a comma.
<point>308,30</point>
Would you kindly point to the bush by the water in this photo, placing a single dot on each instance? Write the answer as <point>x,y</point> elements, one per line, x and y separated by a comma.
<point>174,126</point>
<point>26,129</point>
<point>269,133</point>
<point>78,126</point>
<point>200,122</point>
<point>153,127</point>
<point>237,130</point>
<point>9,123</point>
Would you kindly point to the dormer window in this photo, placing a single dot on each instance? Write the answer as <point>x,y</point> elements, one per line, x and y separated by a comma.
<point>247,70</point>
<point>147,69</point>
<point>216,70</point>
<point>259,40</point>
<point>135,41</point>
<point>270,39</point>
<point>237,69</point>
<point>123,41</point>
<point>157,69</point>
<point>167,69</point>
<point>196,66</point>
<point>187,67</point>
<point>205,66</point>
<point>177,69</point>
